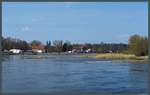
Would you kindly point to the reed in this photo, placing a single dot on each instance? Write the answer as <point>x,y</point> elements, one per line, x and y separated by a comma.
<point>118,56</point>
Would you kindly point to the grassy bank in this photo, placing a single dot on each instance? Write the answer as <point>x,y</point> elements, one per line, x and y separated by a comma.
<point>118,56</point>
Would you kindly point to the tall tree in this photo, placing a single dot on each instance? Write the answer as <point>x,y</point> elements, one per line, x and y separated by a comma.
<point>36,42</point>
<point>58,44</point>
<point>138,45</point>
<point>67,46</point>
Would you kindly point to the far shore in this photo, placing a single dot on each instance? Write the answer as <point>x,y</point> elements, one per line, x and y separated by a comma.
<point>109,56</point>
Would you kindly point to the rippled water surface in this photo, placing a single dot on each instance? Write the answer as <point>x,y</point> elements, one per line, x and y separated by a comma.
<point>60,73</point>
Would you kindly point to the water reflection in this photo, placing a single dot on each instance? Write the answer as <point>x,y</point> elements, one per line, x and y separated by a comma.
<point>138,71</point>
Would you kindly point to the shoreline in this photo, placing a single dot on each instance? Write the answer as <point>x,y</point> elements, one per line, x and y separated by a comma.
<point>107,56</point>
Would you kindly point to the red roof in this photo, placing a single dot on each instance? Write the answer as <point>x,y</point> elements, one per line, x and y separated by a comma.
<point>78,46</point>
<point>40,47</point>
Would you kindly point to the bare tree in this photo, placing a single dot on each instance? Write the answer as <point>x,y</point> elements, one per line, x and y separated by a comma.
<point>58,44</point>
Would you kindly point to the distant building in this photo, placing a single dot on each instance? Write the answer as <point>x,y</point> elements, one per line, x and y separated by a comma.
<point>78,48</point>
<point>38,49</point>
<point>70,51</point>
<point>88,50</point>
<point>15,51</point>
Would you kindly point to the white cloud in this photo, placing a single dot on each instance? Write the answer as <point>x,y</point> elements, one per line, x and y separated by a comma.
<point>25,28</point>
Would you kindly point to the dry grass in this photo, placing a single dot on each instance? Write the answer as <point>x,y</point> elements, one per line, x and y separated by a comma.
<point>115,56</point>
<point>118,56</point>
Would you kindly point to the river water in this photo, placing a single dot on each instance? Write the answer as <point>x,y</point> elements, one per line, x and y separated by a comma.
<point>66,73</point>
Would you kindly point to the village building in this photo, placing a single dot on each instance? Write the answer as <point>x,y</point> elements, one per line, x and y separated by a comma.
<point>38,48</point>
<point>15,51</point>
<point>79,48</point>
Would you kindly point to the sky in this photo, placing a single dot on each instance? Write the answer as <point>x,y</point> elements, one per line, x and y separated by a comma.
<point>78,22</point>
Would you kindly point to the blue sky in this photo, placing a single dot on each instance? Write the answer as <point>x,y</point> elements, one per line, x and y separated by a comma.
<point>78,22</point>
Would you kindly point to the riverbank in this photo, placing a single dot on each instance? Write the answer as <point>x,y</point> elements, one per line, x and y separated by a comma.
<point>117,56</point>
<point>109,56</point>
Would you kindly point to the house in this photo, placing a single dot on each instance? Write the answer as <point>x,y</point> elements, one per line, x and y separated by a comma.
<point>38,48</point>
<point>70,51</point>
<point>88,50</point>
<point>15,51</point>
<point>78,48</point>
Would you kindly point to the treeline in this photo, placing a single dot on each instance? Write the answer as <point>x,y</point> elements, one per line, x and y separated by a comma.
<point>137,45</point>
<point>11,43</point>
<point>108,47</point>
<point>60,46</point>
